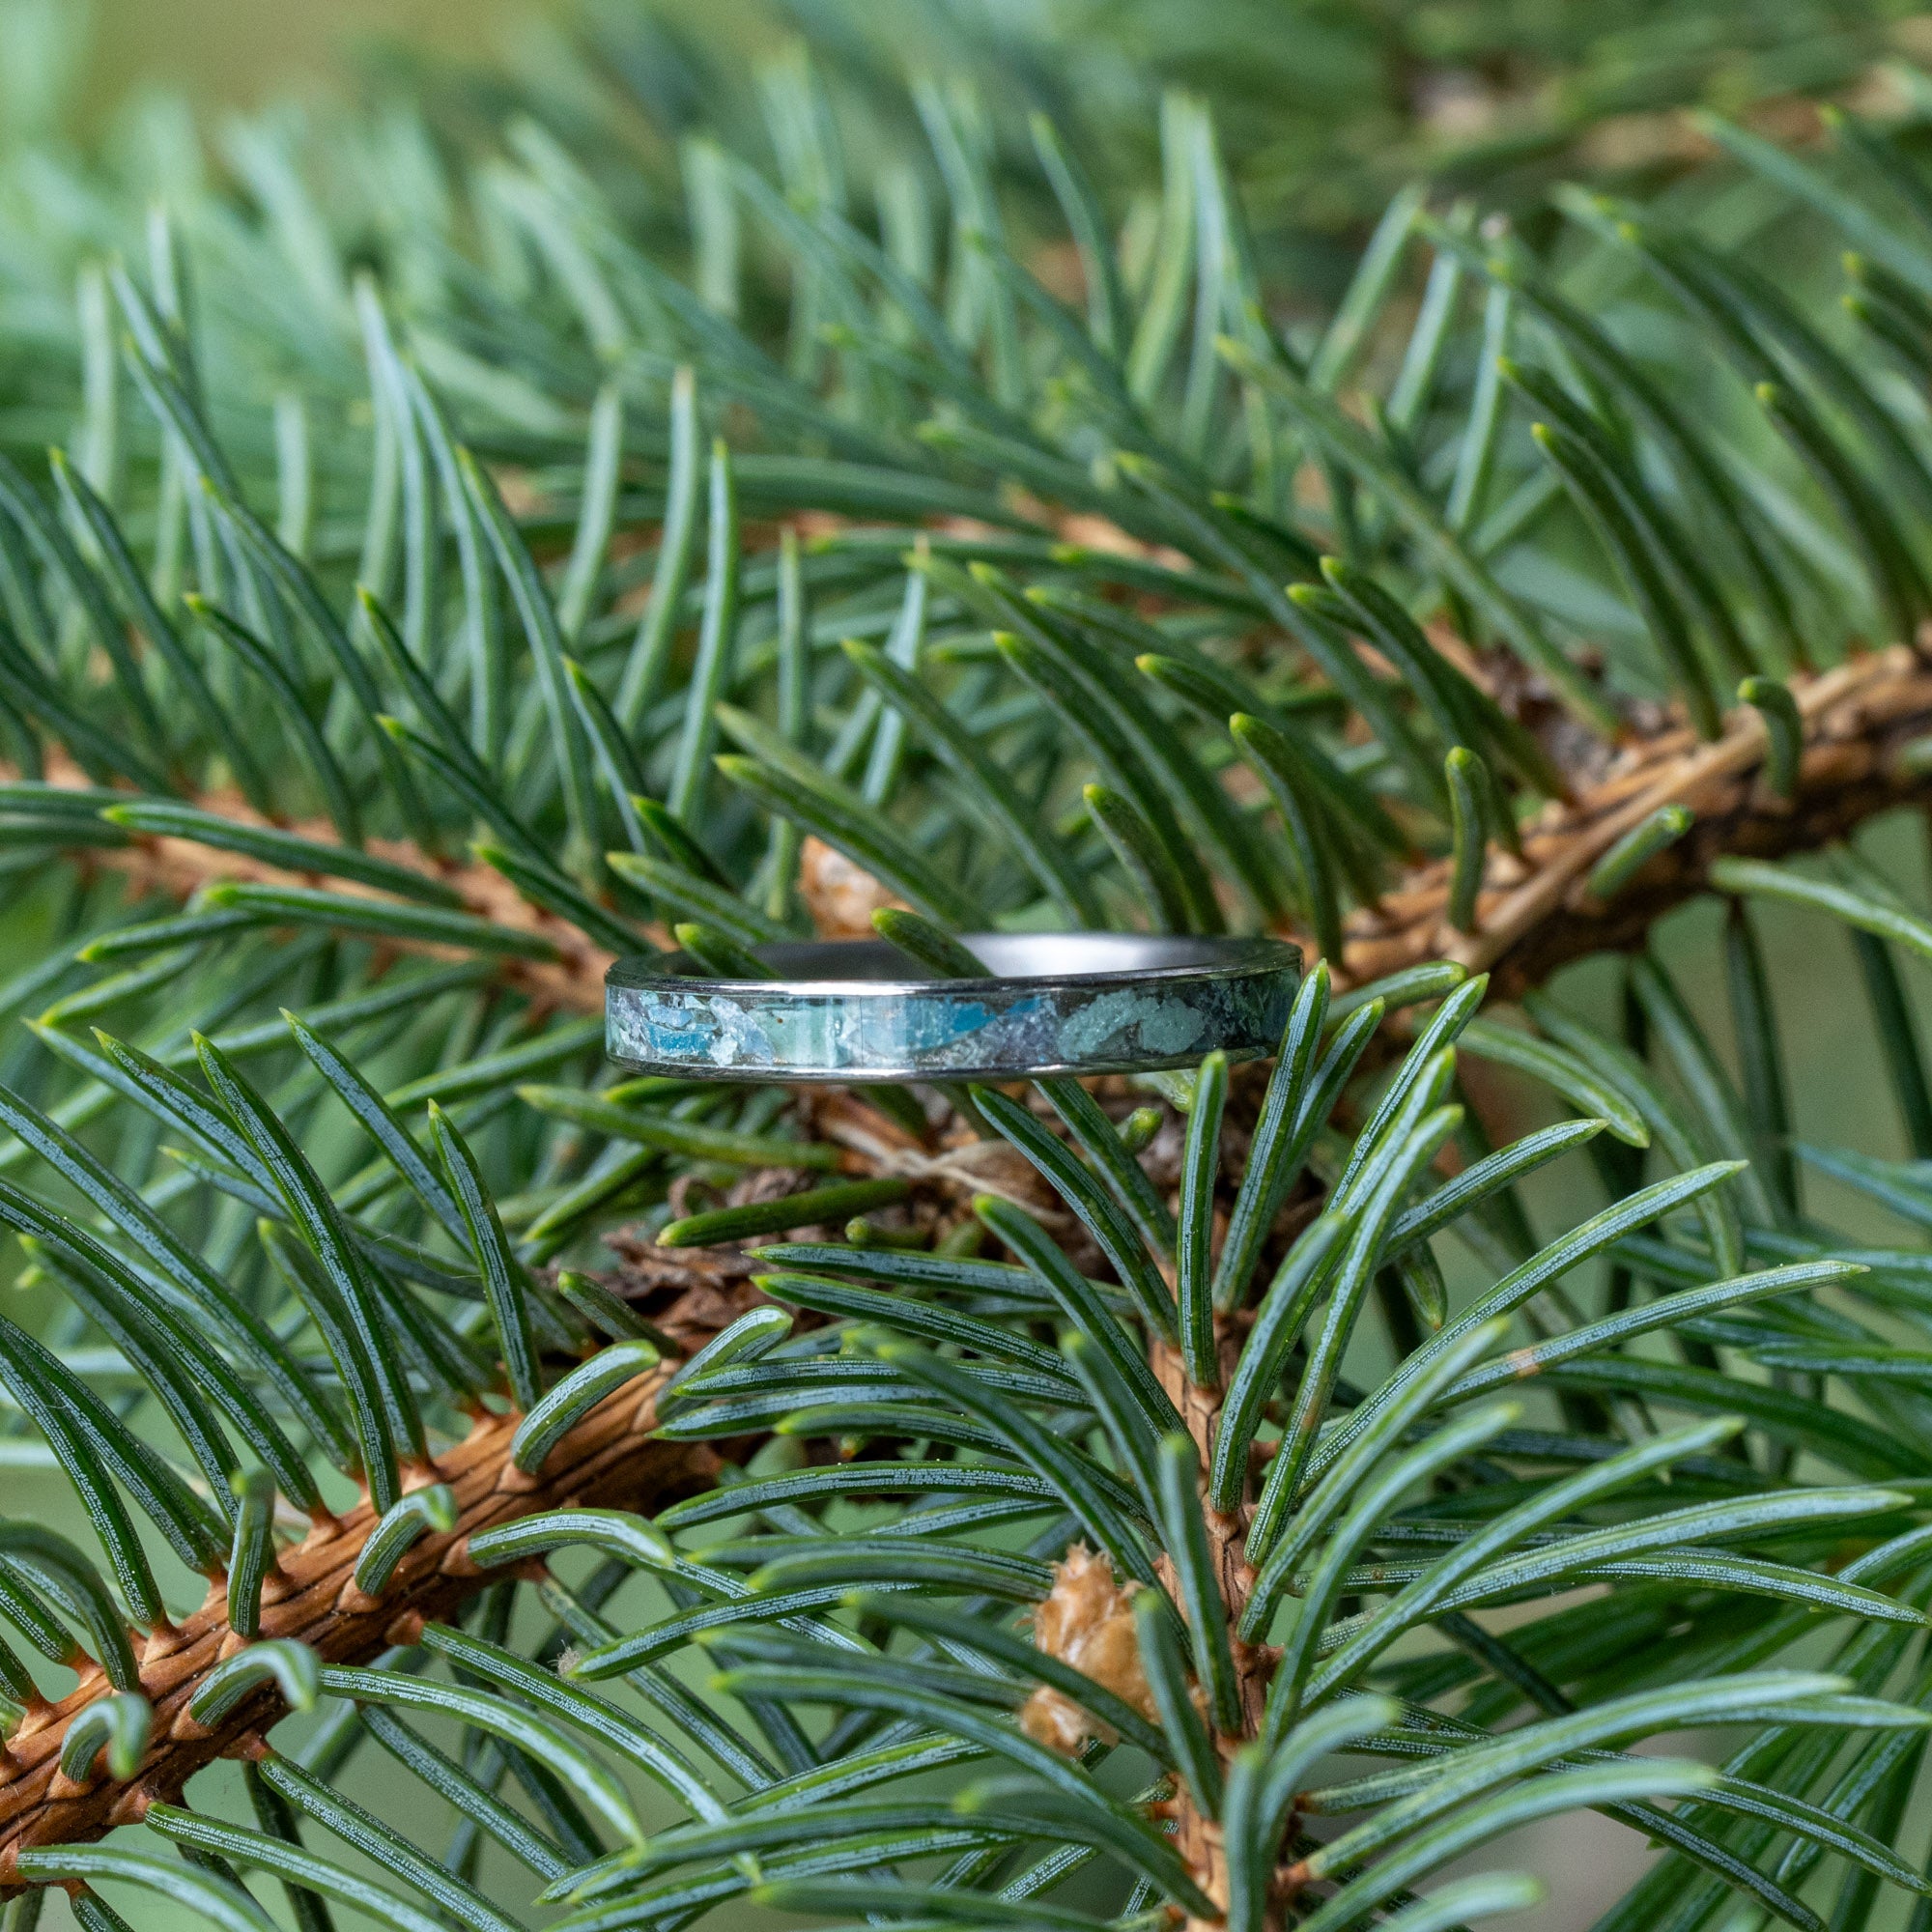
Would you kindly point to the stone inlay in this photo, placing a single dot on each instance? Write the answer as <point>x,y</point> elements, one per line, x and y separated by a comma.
<point>1061,1002</point>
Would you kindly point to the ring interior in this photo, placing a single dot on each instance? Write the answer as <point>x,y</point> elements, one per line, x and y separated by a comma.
<point>1055,958</point>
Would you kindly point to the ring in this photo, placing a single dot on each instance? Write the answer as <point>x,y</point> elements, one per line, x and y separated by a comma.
<point>1052,1003</point>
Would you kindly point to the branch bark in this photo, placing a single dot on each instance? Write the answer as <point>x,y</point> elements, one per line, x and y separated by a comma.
<point>607,1460</point>
<point>1537,914</point>
<point>180,868</point>
<point>1533,915</point>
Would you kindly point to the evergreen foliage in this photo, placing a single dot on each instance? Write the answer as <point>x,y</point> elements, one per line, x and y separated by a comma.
<point>678,506</point>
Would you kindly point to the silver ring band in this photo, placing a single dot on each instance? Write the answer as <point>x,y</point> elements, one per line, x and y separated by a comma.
<point>1055,1002</point>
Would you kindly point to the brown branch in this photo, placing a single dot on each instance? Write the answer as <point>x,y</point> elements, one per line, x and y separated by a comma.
<point>1537,914</point>
<point>1534,914</point>
<point>573,981</point>
<point>1197,1837</point>
<point>609,1461</point>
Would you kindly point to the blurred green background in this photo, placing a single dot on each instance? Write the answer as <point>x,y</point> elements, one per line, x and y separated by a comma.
<point>243,51</point>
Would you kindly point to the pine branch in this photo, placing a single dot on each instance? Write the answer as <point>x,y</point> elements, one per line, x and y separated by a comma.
<point>1198,1838</point>
<point>1078,503</point>
<point>1532,915</point>
<point>1537,914</point>
<point>180,868</point>
<point>607,1460</point>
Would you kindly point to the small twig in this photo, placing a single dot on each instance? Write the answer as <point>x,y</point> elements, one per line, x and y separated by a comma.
<point>609,1461</point>
<point>1857,718</point>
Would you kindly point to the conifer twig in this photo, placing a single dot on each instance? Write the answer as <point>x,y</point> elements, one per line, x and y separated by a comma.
<point>607,1460</point>
<point>1533,916</point>
<point>1857,718</point>
<point>573,981</point>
